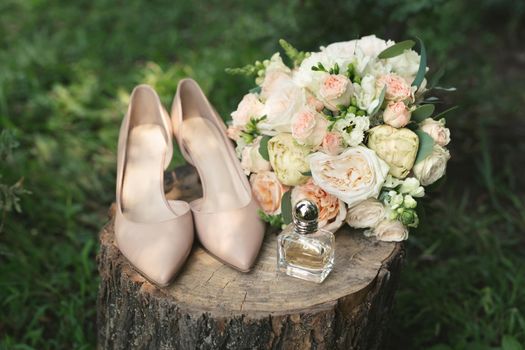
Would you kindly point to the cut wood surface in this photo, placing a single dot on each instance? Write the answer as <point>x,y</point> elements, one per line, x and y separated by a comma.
<point>211,306</point>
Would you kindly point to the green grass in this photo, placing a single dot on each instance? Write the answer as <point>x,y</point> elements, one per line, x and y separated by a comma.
<point>66,72</point>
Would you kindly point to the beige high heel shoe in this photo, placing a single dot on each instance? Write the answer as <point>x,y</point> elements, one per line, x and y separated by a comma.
<point>154,234</point>
<point>226,218</point>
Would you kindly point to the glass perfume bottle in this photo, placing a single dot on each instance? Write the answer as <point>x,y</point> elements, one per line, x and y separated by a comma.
<point>304,251</point>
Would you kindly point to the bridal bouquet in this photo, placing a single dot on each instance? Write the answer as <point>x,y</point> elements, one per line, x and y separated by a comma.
<point>348,127</point>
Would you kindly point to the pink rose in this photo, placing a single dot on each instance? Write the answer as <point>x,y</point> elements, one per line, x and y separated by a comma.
<point>336,89</point>
<point>437,130</point>
<point>308,127</point>
<point>314,103</point>
<point>249,107</point>
<point>397,89</point>
<point>332,143</point>
<point>332,211</point>
<point>396,114</point>
<point>267,191</point>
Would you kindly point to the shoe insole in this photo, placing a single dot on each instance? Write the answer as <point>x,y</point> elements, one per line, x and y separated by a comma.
<point>142,188</point>
<point>222,187</point>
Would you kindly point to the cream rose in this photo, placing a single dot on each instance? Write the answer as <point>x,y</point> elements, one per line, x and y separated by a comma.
<point>267,191</point>
<point>437,130</point>
<point>397,147</point>
<point>390,231</point>
<point>284,101</point>
<point>288,159</point>
<point>353,176</point>
<point>366,214</point>
<point>433,167</point>
<point>397,89</point>
<point>335,90</point>
<point>249,107</point>
<point>251,159</point>
<point>308,127</point>
<point>332,143</point>
<point>331,209</point>
<point>396,114</point>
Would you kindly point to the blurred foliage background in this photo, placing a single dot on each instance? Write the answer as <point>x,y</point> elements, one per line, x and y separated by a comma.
<point>66,71</point>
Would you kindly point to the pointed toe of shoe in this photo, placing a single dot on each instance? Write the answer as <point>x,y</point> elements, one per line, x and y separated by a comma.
<point>158,250</point>
<point>234,237</point>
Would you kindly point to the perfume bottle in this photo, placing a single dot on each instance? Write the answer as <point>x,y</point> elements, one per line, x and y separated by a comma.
<point>304,251</point>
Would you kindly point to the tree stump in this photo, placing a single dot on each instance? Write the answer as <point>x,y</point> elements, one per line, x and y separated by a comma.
<point>211,306</point>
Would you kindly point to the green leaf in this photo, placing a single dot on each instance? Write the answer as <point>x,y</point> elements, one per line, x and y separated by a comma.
<point>436,77</point>
<point>286,207</point>
<point>422,112</point>
<point>307,173</point>
<point>426,144</point>
<point>263,148</point>
<point>397,49</point>
<point>381,99</point>
<point>422,65</point>
<point>510,343</point>
<point>255,90</point>
<point>440,115</point>
<point>293,54</point>
<point>443,88</point>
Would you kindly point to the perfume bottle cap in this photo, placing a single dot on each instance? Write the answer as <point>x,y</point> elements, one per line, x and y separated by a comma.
<point>305,216</point>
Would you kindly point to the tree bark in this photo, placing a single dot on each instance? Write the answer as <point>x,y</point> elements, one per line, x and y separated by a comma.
<point>211,306</point>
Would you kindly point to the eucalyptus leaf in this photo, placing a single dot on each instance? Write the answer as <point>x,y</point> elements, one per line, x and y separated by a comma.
<point>426,144</point>
<point>255,90</point>
<point>397,49</point>
<point>420,76</point>
<point>442,88</point>
<point>263,148</point>
<point>440,115</point>
<point>422,112</point>
<point>381,99</point>
<point>286,207</point>
<point>436,77</point>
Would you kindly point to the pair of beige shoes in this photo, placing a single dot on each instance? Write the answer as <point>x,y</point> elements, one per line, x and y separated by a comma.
<point>156,234</point>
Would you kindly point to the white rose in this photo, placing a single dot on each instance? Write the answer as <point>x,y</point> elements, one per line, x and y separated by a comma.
<point>308,127</point>
<point>275,70</point>
<point>249,107</point>
<point>251,159</point>
<point>433,167</point>
<point>372,46</point>
<point>307,78</point>
<point>390,231</point>
<point>342,50</point>
<point>405,65</point>
<point>366,94</point>
<point>335,90</point>
<point>353,176</point>
<point>437,130</point>
<point>368,213</point>
<point>284,101</point>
